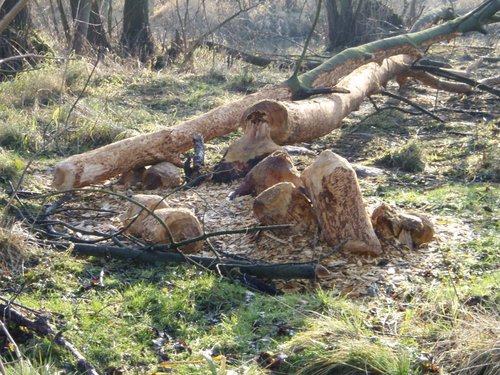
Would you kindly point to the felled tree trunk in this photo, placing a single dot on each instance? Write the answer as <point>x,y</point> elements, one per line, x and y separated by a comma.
<point>111,160</point>
<point>332,185</point>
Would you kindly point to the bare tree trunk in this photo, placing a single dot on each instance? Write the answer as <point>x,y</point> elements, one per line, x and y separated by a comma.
<point>136,38</point>
<point>96,34</point>
<point>81,17</point>
<point>64,20</point>
<point>15,24</point>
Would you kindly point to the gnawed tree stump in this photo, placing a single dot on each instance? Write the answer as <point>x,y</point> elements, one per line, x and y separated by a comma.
<point>410,229</point>
<point>284,203</point>
<point>161,175</point>
<point>275,168</point>
<point>246,152</point>
<point>135,214</point>
<point>181,224</point>
<point>333,188</point>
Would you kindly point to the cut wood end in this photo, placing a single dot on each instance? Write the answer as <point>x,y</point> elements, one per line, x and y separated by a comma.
<point>151,201</point>
<point>182,225</point>
<point>64,176</point>
<point>275,168</point>
<point>321,272</point>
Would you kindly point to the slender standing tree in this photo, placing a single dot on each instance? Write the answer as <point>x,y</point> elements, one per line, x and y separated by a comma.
<point>136,38</point>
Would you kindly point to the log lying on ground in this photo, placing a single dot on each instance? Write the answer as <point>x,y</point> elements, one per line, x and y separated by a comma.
<point>283,271</point>
<point>410,229</point>
<point>133,218</point>
<point>295,122</point>
<point>275,168</point>
<point>177,224</point>
<point>332,185</point>
<point>111,160</point>
<point>284,203</point>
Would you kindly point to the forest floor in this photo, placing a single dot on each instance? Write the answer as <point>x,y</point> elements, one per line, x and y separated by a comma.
<point>434,309</point>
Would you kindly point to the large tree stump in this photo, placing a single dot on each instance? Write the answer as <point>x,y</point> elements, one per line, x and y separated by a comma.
<point>410,229</point>
<point>135,214</point>
<point>332,185</point>
<point>277,167</point>
<point>181,224</point>
<point>284,203</point>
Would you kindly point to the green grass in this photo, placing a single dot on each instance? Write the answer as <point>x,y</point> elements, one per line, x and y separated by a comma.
<point>145,316</point>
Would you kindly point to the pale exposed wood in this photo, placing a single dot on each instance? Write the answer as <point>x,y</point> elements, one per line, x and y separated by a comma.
<point>147,149</point>
<point>135,214</point>
<point>410,229</point>
<point>275,168</point>
<point>167,144</point>
<point>333,188</point>
<point>284,203</point>
<point>294,122</point>
<point>246,152</point>
<point>162,175</point>
<point>182,225</point>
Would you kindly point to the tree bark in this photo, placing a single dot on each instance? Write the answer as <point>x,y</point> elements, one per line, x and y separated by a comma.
<point>108,161</point>
<point>81,17</point>
<point>284,271</point>
<point>136,37</point>
<point>333,188</point>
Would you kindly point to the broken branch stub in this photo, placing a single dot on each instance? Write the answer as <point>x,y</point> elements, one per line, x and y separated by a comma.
<point>333,188</point>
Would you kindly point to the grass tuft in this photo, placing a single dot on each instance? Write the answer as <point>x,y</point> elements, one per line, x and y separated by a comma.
<point>13,251</point>
<point>408,158</point>
<point>11,166</point>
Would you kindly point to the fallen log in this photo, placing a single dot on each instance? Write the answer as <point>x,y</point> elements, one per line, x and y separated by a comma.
<point>333,188</point>
<point>283,271</point>
<point>111,160</point>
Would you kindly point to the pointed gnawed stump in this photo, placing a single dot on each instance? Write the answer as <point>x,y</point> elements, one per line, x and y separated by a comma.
<point>333,188</point>
<point>276,168</point>
<point>284,203</point>
<point>135,214</point>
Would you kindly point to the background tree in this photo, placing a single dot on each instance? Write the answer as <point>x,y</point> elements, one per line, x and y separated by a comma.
<point>88,25</point>
<point>14,35</point>
<point>136,38</point>
<point>353,22</point>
